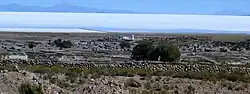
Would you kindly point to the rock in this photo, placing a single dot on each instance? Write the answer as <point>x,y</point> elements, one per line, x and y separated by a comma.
<point>132,83</point>
<point>5,71</point>
<point>92,80</point>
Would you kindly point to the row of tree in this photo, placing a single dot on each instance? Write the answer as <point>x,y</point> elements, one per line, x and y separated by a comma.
<point>148,50</point>
<point>58,42</point>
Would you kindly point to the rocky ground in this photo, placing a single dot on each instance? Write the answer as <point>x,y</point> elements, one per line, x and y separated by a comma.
<point>160,85</point>
<point>10,81</point>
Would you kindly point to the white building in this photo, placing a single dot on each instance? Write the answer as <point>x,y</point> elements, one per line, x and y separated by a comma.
<point>129,38</point>
<point>16,55</point>
<point>133,37</point>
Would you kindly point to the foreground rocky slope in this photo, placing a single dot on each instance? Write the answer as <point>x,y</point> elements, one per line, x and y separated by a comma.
<point>10,81</point>
<point>160,85</point>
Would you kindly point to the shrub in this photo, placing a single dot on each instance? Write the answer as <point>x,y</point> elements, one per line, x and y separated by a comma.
<point>144,72</point>
<point>125,44</point>
<point>146,92</point>
<point>31,44</point>
<point>63,44</point>
<point>27,88</point>
<point>147,85</point>
<point>132,83</point>
<point>82,81</point>
<point>142,50</point>
<point>163,92</point>
<point>54,80</point>
<point>229,86</point>
<point>245,85</point>
<point>166,87</point>
<point>67,44</point>
<point>238,88</point>
<point>40,69</point>
<point>168,53</point>
<point>190,90</point>
<point>148,50</point>
<point>95,75</point>
<point>62,84</point>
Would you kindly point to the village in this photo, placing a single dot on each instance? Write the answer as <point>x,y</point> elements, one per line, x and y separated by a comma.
<point>108,56</point>
<point>107,49</point>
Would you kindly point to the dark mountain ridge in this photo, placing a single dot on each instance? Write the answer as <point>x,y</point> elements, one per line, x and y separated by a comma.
<point>63,7</point>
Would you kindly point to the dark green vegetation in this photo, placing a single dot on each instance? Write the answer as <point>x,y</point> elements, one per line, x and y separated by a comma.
<point>125,44</point>
<point>31,44</point>
<point>143,72</point>
<point>147,50</point>
<point>143,50</point>
<point>63,44</point>
<point>27,88</point>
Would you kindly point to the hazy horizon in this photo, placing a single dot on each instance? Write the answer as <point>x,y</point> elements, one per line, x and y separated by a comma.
<point>218,16</point>
<point>132,22</point>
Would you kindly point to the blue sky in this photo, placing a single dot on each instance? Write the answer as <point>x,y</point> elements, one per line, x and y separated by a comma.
<point>153,6</point>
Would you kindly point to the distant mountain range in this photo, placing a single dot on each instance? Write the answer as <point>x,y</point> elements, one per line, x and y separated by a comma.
<point>232,12</point>
<point>63,7</point>
<point>66,7</point>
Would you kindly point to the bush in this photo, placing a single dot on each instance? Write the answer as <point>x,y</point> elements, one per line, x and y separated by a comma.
<point>31,44</point>
<point>125,44</point>
<point>190,90</point>
<point>54,80</point>
<point>168,53</point>
<point>27,88</point>
<point>40,69</point>
<point>166,87</point>
<point>63,44</point>
<point>67,44</point>
<point>147,85</point>
<point>146,92</point>
<point>150,51</point>
<point>142,50</point>
<point>47,69</point>
<point>144,72</point>
<point>58,42</point>
<point>95,75</point>
<point>63,84</point>
<point>239,88</point>
<point>245,85</point>
<point>132,83</point>
<point>230,86</point>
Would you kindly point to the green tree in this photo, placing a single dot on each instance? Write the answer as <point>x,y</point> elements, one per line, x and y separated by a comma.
<point>125,44</point>
<point>147,50</point>
<point>27,88</point>
<point>67,44</point>
<point>168,52</point>
<point>58,42</point>
<point>63,44</point>
<point>31,44</point>
<point>142,50</point>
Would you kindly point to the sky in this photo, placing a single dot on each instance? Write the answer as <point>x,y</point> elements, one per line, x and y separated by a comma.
<point>150,6</point>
